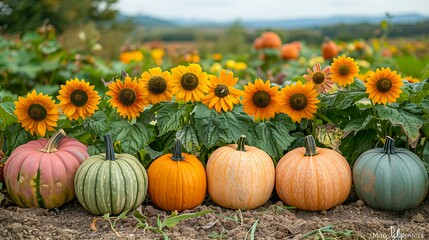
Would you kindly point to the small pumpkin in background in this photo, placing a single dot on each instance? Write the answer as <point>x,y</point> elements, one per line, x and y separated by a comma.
<point>258,43</point>
<point>289,51</point>
<point>390,178</point>
<point>240,176</point>
<point>313,178</point>
<point>329,49</point>
<point>41,172</point>
<point>271,40</point>
<point>177,181</point>
<point>111,183</point>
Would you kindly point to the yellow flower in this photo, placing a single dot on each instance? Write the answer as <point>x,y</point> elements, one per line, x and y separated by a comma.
<point>344,70</point>
<point>189,83</point>
<point>130,56</point>
<point>411,79</point>
<point>215,67</point>
<point>299,101</point>
<point>128,97</point>
<point>384,86</point>
<point>313,61</point>
<point>363,77</point>
<point>222,94</point>
<point>156,85</point>
<point>230,64</point>
<point>260,100</point>
<point>240,66</point>
<point>320,78</point>
<point>157,54</point>
<point>78,99</point>
<point>37,113</point>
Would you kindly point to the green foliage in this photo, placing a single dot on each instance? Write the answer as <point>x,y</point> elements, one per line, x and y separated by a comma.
<point>328,232</point>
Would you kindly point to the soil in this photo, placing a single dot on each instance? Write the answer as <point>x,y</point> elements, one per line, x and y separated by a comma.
<point>351,220</point>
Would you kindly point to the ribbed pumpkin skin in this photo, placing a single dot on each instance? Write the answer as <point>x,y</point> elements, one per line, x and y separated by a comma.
<point>38,179</point>
<point>177,185</point>
<point>313,183</point>
<point>240,179</point>
<point>392,182</point>
<point>111,186</point>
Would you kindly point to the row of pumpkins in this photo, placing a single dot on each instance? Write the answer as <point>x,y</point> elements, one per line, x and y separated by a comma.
<point>48,173</point>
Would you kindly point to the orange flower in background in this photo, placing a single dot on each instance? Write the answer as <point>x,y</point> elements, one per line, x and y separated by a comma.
<point>344,70</point>
<point>156,85</point>
<point>189,83</point>
<point>128,97</point>
<point>363,77</point>
<point>384,86</point>
<point>260,100</point>
<point>222,94</point>
<point>131,56</point>
<point>37,113</point>
<point>299,101</point>
<point>410,79</point>
<point>78,99</point>
<point>320,78</point>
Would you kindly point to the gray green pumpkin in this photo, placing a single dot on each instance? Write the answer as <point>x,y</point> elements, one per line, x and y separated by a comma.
<point>106,183</point>
<point>390,178</point>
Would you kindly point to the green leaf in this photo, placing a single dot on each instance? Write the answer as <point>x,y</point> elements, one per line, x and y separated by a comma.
<point>252,231</point>
<point>7,116</point>
<point>357,125</point>
<point>189,138</point>
<point>344,100</point>
<point>216,129</point>
<point>426,156</point>
<point>169,116</point>
<point>16,136</point>
<point>353,145</point>
<point>409,123</point>
<point>134,137</point>
<point>425,75</point>
<point>175,219</point>
<point>272,136</point>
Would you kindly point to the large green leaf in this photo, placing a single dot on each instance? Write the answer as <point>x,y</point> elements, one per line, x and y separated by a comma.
<point>416,91</point>
<point>353,145</point>
<point>357,125</point>
<point>409,123</point>
<point>189,138</point>
<point>217,129</point>
<point>272,136</point>
<point>343,99</point>
<point>134,137</point>
<point>97,123</point>
<point>7,116</point>
<point>169,116</point>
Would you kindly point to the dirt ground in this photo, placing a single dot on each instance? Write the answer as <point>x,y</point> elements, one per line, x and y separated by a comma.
<point>352,220</point>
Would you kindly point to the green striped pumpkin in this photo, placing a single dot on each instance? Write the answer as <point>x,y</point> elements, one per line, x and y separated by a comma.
<point>106,183</point>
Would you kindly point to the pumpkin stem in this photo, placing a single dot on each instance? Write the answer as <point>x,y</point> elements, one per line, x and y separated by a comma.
<point>53,142</point>
<point>241,144</point>
<point>310,146</point>
<point>177,152</point>
<point>389,146</point>
<point>110,151</point>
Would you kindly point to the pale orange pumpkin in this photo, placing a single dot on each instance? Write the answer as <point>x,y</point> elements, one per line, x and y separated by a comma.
<point>271,40</point>
<point>258,43</point>
<point>329,49</point>
<point>289,51</point>
<point>240,176</point>
<point>313,178</point>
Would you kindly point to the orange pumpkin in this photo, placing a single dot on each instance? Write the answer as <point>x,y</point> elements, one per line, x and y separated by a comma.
<point>329,49</point>
<point>312,178</point>
<point>271,40</point>
<point>177,181</point>
<point>258,43</point>
<point>297,45</point>
<point>240,176</point>
<point>289,51</point>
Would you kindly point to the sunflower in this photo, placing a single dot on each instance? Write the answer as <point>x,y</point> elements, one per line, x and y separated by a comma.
<point>384,86</point>
<point>299,101</point>
<point>363,77</point>
<point>156,84</point>
<point>222,94</point>
<point>128,97</point>
<point>320,78</point>
<point>260,100</point>
<point>410,79</point>
<point>131,56</point>
<point>189,83</point>
<point>344,70</point>
<point>78,99</point>
<point>36,113</point>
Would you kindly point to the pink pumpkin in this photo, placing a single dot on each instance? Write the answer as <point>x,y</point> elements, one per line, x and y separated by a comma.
<point>41,172</point>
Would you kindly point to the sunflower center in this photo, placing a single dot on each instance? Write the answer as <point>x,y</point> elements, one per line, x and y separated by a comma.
<point>384,85</point>
<point>343,70</point>
<point>221,91</point>
<point>189,81</point>
<point>261,99</point>
<point>298,101</point>
<point>127,96</point>
<point>79,98</point>
<point>157,84</point>
<point>37,112</point>
<point>318,77</point>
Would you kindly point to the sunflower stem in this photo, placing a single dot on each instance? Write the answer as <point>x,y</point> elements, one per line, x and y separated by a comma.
<point>110,151</point>
<point>52,144</point>
<point>389,146</point>
<point>177,152</point>
<point>310,146</point>
<point>241,144</point>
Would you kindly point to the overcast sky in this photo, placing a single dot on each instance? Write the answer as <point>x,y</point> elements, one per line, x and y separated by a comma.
<point>227,10</point>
